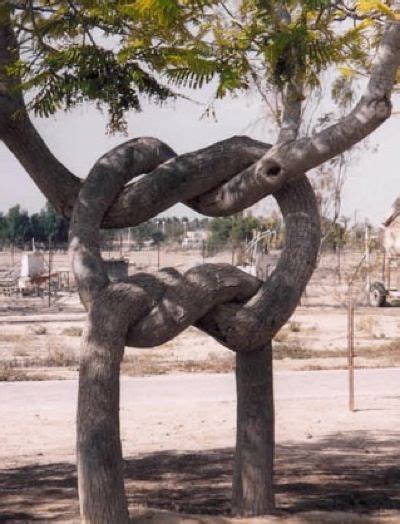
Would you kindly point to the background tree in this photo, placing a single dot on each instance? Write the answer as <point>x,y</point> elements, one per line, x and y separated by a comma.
<point>233,229</point>
<point>18,225</point>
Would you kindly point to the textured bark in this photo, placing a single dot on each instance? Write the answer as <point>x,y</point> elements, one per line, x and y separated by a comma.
<point>151,309</point>
<point>266,312</point>
<point>99,454</point>
<point>253,492</point>
<point>262,315</point>
<point>11,101</point>
<point>286,160</point>
<point>253,477</point>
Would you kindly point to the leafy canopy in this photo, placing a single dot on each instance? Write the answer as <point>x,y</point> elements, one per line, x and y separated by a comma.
<point>110,52</point>
<point>114,52</point>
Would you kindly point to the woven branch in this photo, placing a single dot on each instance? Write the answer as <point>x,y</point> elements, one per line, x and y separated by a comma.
<point>220,299</point>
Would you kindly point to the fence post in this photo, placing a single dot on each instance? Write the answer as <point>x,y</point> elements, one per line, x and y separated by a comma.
<point>49,270</point>
<point>350,346</point>
<point>368,257</point>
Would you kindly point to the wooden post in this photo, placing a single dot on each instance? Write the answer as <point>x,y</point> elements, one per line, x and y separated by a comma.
<point>367,257</point>
<point>350,347</point>
<point>384,269</point>
<point>49,270</point>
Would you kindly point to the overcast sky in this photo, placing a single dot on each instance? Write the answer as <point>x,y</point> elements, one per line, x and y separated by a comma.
<point>78,138</point>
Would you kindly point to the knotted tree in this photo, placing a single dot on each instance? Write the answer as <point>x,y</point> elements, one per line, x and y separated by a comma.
<point>146,310</point>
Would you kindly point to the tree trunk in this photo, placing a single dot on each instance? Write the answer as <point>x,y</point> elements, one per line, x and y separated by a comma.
<point>253,469</point>
<point>99,454</point>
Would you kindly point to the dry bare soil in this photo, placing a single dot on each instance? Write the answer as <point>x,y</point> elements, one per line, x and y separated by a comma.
<point>178,411</point>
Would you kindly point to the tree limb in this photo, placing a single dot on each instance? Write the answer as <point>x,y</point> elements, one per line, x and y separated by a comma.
<point>285,161</point>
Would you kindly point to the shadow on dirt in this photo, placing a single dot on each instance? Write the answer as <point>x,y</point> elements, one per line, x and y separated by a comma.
<point>357,472</point>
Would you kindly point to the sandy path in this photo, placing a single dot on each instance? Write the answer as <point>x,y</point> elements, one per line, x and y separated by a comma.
<point>192,411</point>
<point>178,431</point>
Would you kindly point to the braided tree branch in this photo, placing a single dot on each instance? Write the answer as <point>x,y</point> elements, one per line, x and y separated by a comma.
<point>222,300</point>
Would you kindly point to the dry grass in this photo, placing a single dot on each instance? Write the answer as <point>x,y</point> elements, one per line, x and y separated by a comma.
<point>367,325</point>
<point>37,330</point>
<point>145,365</point>
<point>72,331</point>
<point>294,351</point>
<point>387,354</point>
<point>8,373</point>
<point>59,356</point>
<point>11,337</point>
<point>281,336</point>
<point>294,326</point>
<point>20,351</point>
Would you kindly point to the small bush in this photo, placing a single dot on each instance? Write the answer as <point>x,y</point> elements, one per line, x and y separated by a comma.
<point>20,351</point>
<point>38,330</point>
<point>8,337</point>
<point>72,331</point>
<point>294,326</point>
<point>10,374</point>
<point>281,336</point>
<point>367,324</point>
<point>60,356</point>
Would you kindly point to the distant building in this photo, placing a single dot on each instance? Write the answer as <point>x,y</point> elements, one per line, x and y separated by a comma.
<point>391,239</point>
<point>194,239</point>
<point>32,264</point>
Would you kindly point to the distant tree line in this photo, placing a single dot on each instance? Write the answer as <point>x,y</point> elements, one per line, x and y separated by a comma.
<point>221,231</point>
<point>237,229</point>
<point>18,227</point>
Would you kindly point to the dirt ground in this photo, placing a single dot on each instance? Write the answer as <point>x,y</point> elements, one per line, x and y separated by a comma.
<point>178,434</point>
<point>179,425</point>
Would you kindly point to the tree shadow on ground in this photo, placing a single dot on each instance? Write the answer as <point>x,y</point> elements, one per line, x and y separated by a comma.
<point>350,472</point>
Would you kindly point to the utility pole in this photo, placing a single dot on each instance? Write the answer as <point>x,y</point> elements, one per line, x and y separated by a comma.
<point>350,346</point>
<point>49,264</point>
<point>368,256</point>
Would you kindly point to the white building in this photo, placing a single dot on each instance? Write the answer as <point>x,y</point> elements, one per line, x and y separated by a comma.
<point>194,239</point>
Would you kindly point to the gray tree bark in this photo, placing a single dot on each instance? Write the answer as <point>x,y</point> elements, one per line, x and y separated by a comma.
<point>99,453</point>
<point>253,490</point>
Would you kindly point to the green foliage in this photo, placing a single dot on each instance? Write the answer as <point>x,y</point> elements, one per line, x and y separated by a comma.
<point>157,237</point>
<point>17,227</point>
<point>233,229</point>
<point>334,235</point>
<point>18,224</point>
<point>295,42</point>
<point>108,52</point>
<point>84,73</point>
<point>116,52</point>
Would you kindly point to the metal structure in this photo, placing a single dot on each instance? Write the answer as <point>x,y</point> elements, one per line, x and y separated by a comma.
<point>254,261</point>
<point>380,291</point>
